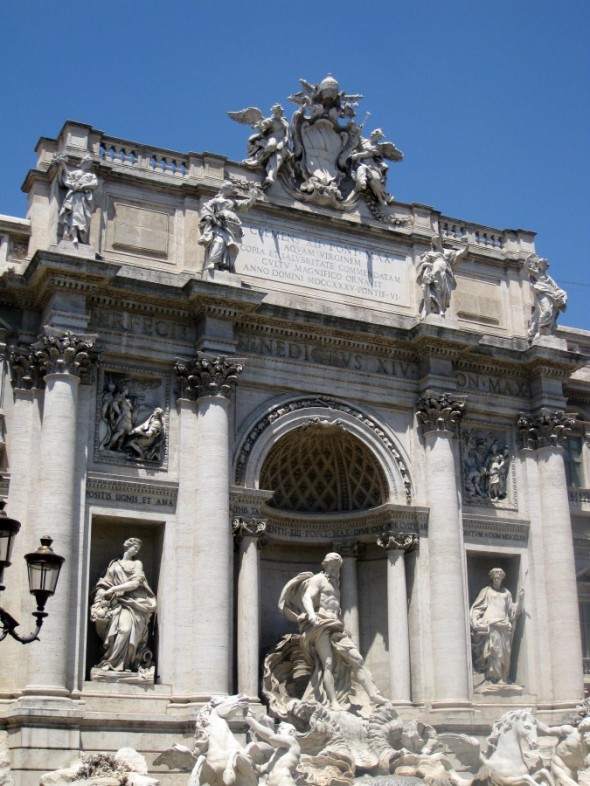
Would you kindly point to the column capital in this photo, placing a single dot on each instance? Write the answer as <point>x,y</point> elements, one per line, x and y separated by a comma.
<point>546,428</point>
<point>248,528</point>
<point>63,352</point>
<point>398,541</point>
<point>440,411</point>
<point>208,375</point>
<point>348,548</point>
<point>25,369</point>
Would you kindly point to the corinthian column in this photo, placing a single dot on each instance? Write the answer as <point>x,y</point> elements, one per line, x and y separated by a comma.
<point>64,358</point>
<point>438,416</point>
<point>545,433</point>
<point>397,544</point>
<point>210,379</point>
<point>349,589</point>
<point>249,534</point>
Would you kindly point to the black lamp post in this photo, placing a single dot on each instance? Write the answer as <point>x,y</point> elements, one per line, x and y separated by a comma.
<point>43,567</point>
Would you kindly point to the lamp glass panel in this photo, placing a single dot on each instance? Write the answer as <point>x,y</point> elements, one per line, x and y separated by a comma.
<point>43,576</point>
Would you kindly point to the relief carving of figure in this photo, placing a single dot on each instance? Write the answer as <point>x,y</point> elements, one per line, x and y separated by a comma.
<point>324,651</point>
<point>122,607</point>
<point>485,468</point>
<point>550,300</point>
<point>221,229</point>
<point>436,276</point>
<point>492,624</point>
<point>371,170</point>
<point>76,209</point>
<point>146,438</point>
<point>268,147</point>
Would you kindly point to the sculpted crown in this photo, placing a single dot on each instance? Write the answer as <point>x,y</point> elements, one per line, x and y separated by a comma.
<point>440,411</point>
<point>208,375</point>
<point>546,428</point>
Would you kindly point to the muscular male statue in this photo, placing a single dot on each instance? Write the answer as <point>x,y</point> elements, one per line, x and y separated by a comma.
<point>313,601</point>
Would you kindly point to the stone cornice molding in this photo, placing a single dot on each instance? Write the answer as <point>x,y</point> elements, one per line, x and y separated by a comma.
<point>208,375</point>
<point>398,541</point>
<point>249,528</point>
<point>63,352</point>
<point>545,429</point>
<point>440,412</point>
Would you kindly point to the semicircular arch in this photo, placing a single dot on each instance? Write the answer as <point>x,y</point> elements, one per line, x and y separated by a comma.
<point>264,431</point>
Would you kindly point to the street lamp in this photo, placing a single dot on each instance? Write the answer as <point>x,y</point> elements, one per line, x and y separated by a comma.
<point>43,568</point>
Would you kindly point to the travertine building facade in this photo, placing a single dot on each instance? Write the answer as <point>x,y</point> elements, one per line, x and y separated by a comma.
<point>245,407</point>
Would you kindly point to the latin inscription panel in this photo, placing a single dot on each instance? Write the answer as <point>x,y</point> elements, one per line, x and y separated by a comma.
<point>283,260</point>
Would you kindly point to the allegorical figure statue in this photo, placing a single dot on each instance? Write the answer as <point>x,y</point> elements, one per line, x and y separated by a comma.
<point>76,209</point>
<point>221,229</point>
<point>492,623</point>
<point>436,276</point>
<point>550,300</point>
<point>268,147</point>
<point>122,608</point>
<point>313,601</point>
<point>371,170</point>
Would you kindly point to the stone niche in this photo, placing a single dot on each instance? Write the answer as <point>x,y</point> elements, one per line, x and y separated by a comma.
<point>108,536</point>
<point>479,565</point>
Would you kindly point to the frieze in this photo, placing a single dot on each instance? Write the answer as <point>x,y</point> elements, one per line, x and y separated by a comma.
<point>318,401</point>
<point>121,493</point>
<point>147,325</point>
<point>370,526</point>
<point>486,529</point>
<point>498,386</point>
<point>338,357</point>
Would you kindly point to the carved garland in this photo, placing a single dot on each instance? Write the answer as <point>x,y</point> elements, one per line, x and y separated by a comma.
<point>293,406</point>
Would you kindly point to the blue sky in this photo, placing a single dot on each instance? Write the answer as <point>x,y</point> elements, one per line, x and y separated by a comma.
<point>488,99</point>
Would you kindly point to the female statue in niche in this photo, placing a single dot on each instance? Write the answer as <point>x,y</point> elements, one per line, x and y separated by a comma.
<point>122,609</point>
<point>492,623</point>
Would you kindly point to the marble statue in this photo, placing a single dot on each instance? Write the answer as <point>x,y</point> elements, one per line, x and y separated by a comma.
<point>321,155</point>
<point>221,229</point>
<point>436,276</point>
<point>268,147</point>
<point>371,170</point>
<point>492,624</point>
<point>126,767</point>
<point>122,608</point>
<point>76,209</point>
<point>146,438</point>
<point>118,429</point>
<point>550,300</point>
<point>572,753</point>
<point>336,667</point>
<point>485,468</point>
<point>218,757</point>
<point>280,768</point>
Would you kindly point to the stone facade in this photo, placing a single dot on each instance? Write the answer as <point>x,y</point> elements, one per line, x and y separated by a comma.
<point>308,403</point>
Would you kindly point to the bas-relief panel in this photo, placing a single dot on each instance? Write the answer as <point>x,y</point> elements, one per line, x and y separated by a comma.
<point>488,466</point>
<point>131,417</point>
<point>332,270</point>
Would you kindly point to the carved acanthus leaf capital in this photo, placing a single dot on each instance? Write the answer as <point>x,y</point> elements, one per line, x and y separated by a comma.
<point>63,352</point>
<point>208,375</point>
<point>546,428</point>
<point>398,541</point>
<point>25,368</point>
<point>249,528</point>
<point>440,411</point>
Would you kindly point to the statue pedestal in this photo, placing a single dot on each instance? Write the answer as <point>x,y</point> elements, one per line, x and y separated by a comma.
<point>142,677</point>
<point>75,249</point>
<point>222,277</point>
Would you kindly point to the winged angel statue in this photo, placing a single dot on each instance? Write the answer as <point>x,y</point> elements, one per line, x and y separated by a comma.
<point>321,155</point>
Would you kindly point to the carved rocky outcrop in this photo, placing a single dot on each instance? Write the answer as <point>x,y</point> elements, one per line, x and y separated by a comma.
<point>208,375</point>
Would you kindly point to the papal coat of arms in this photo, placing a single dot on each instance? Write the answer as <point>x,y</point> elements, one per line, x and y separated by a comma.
<point>321,155</point>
